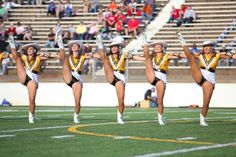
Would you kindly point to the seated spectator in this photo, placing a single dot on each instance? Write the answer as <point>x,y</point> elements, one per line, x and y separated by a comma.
<point>68,9</point>
<point>51,38</point>
<point>60,10</point>
<point>81,31</point>
<point>11,30</point>
<point>51,8</point>
<point>110,21</point>
<point>4,66</point>
<point>176,15</point>
<point>94,6</point>
<point>71,30</point>
<point>92,31</point>
<point>147,12</point>
<point>133,25</point>
<point>9,5</point>
<point>31,2</point>
<point>113,6</point>
<point>183,8</point>
<point>66,37</point>
<point>100,17</point>
<point>152,4</point>
<point>189,15</point>
<point>119,26</point>
<point>20,31</point>
<point>2,31</point>
<point>28,33</point>
<point>3,12</point>
<point>131,8</point>
<point>86,6</point>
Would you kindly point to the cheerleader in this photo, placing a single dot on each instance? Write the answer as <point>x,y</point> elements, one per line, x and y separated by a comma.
<point>27,68</point>
<point>72,68</point>
<point>203,71</point>
<point>114,67</point>
<point>157,64</point>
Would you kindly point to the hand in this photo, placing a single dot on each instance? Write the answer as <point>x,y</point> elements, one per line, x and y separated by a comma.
<point>11,42</point>
<point>181,38</point>
<point>130,55</point>
<point>99,41</point>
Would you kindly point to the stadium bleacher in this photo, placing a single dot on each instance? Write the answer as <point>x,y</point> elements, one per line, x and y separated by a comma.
<point>213,16</point>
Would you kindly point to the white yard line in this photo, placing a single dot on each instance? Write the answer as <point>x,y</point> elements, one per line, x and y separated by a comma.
<point>62,136</point>
<point>7,136</point>
<point>186,138</point>
<point>186,150</point>
<point>35,129</point>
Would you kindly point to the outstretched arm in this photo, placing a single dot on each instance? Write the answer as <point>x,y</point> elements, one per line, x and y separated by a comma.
<point>226,55</point>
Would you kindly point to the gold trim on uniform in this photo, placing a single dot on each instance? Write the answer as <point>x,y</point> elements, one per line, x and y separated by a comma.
<point>33,64</point>
<point>118,63</point>
<point>76,64</point>
<point>1,54</point>
<point>208,61</point>
<point>161,63</point>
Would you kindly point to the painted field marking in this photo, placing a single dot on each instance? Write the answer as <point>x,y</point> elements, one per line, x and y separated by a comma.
<point>7,136</point>
<point>75,129</point>
<point>121,137</point>
<point>186,150</point>
<point>34,129</point>
<point>186,138</point>
<point>62,136</point>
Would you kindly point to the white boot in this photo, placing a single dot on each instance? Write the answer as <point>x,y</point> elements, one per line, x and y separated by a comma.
<point>31,117</point>
<point>160,119</point>
<point>203,120</point>
<point>120,118</point>
<point>76,118</point>
<point>11,42</point>
<point>181,39</point>
<point>99,41</point>
<point>59,40</point>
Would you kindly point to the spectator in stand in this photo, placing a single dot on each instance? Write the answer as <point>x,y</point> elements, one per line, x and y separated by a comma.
<point>189,15</point>
<point>60,10</point>
<point>86,5</point>
<point>51,8</point>
<point>224,62</point>
<point>113,6</point>
<point>11,30</point>
<point>151,3</point>
<point>100,17</point>
<point>31,2</point>
<point>9,5</point>
<point>2,30</point>
<point>183,8</point>
<point>119,26</point>
<point>71,30</point>
<point>133,25</point>
<point>110,21</point>
<point>28,33</point>
<point>4,66</point>
<point>3,12</point>
<point>176,15</point>
<point>57,27</point>
<point>51,38</point>
<point>147,12</point>
<point>20,31</point>
<point>81,31</point>
<point>131,8</point>
<point>68,9</point>
<point>94,6</point>
<point>92,31</point>
<point>66,37</point>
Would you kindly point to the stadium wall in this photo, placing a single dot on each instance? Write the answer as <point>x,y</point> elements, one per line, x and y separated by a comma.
<point>103,94</point>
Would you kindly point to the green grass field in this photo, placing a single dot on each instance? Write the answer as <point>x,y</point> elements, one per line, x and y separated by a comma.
<point>54,133</point>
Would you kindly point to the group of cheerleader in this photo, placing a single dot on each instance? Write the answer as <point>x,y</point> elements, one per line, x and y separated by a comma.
<point>156,62</point>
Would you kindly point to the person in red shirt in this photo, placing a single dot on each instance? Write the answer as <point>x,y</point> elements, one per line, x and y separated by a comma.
<point>113,6</point>
<point>119,26</point>
<point>11,30</point>
<point>110,21</point>
<point>176,14</point>
<point>133,25</point>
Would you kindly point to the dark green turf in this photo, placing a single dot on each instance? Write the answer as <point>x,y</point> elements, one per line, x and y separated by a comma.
<point>38,143</point>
